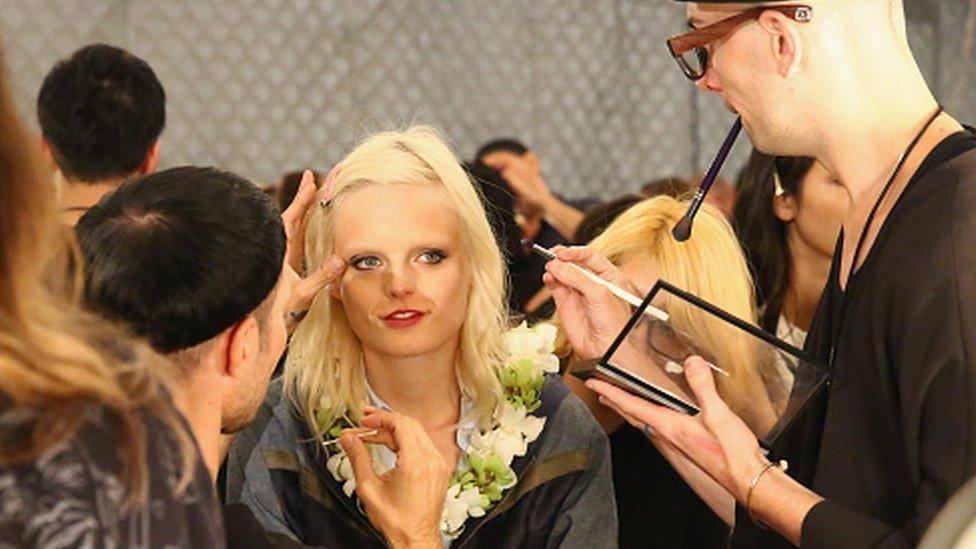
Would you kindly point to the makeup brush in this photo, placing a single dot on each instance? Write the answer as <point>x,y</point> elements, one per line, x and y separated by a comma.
<point>623,294</point>
<point>650,311</point>
<point>682,229</point>
<point>364,434</point>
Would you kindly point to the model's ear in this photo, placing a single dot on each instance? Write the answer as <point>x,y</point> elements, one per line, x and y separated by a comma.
<point>785,41</point>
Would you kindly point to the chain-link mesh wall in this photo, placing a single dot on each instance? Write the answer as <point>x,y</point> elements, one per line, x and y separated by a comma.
<point>263,87</point>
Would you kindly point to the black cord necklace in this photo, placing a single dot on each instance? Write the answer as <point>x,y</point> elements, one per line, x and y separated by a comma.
<point>835,332</point>
<point>884,191</point>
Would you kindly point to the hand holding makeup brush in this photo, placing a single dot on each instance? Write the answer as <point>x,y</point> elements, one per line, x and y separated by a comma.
<point>406,502</point>
<point>589,312</point>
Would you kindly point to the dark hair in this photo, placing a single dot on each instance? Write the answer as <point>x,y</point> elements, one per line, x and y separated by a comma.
<point>675,187</point>
<point>60,362</point>
<point>599,218</point>
<point>181,255</point>
<point>761,233</point>
<point>501,145</point>
<point>499,204</point>
<point>101,110</point>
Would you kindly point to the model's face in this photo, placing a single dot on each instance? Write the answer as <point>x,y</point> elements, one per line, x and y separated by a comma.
<point>820,209</point>
<point>405,291</point>
<point>253,379</point>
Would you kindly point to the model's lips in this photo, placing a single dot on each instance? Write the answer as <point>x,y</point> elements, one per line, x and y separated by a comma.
<point>403,318</point>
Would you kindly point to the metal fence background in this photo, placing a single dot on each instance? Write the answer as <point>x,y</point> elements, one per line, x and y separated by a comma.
<point>265,86</point>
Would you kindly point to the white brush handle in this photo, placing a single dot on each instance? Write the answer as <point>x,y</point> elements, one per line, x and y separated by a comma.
<point>623,294</point>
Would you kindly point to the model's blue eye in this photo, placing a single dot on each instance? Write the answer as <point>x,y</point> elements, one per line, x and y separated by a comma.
<point>432,257</point>
<point>365,263</point>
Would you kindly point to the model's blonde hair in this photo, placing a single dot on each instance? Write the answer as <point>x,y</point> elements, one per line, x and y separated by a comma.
<point>324,371</point>
<point>59,364</point>
<point>709,265</point>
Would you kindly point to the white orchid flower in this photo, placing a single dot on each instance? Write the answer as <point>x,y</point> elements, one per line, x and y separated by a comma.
<point>516,420</point>
<point>458,506</point>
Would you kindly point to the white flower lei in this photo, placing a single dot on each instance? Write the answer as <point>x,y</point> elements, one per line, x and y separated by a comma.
<point>487,470</point>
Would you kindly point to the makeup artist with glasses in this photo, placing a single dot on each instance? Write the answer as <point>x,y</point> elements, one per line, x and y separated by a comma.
<point>875,455</point>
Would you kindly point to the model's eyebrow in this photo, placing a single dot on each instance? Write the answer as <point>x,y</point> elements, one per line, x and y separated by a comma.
<point>693,22</point>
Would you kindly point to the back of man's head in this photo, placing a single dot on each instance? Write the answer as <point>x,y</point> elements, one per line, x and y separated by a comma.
<point>101,112</point>
<point>182,255</point>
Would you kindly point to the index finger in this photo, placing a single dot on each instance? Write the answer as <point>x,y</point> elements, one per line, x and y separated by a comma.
<point>303,199</point>
<point>585,256</point>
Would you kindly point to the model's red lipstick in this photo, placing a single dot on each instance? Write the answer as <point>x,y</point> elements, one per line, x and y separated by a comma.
<point>403,318</point>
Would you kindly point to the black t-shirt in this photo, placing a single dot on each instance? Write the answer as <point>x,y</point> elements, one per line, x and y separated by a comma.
<point>655,507</point>
<point>894,435</point>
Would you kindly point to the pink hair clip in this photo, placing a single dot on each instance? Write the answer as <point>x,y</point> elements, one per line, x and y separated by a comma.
<point>329,185</point>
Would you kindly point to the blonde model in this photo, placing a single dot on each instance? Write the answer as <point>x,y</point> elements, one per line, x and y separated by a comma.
<point>417,325</point>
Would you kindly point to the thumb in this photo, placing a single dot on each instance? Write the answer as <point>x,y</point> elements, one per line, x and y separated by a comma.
<point>362,464</point>
<point>702,383</point>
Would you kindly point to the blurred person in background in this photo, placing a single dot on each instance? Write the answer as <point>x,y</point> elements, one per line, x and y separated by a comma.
<point>101,112</point>
<point>545,218</point>
<point>787,219</point>
<point>92,450</point>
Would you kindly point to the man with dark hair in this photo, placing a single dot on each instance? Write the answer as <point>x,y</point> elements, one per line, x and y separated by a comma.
<point>101,113</point>
<point>194,260</point>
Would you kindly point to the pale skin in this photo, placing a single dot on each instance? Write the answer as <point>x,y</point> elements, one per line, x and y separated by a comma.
<point>420,267</point>
<point>820,89</point>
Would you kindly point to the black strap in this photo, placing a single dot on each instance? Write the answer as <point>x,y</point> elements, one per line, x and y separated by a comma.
<point>867,227</point>
<point>887,187</point>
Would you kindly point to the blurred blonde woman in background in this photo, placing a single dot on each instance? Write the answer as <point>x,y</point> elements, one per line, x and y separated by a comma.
<point>417,325</point>
<point>711,266</point>
<point>81,411</point>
